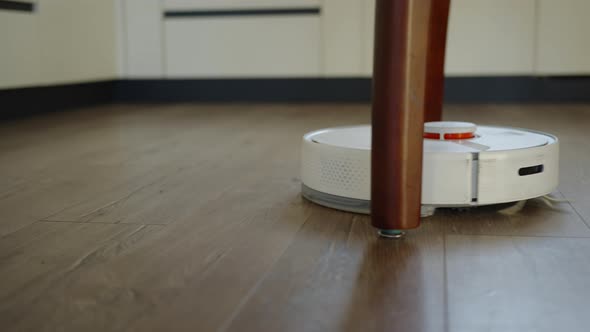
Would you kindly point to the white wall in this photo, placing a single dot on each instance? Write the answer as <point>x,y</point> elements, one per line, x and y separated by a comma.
<point>63,41</point>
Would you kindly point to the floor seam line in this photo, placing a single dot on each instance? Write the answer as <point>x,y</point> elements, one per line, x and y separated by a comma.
<point>575,210</point>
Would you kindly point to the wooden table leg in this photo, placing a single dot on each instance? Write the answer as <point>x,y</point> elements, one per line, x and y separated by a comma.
<point>401,79</point>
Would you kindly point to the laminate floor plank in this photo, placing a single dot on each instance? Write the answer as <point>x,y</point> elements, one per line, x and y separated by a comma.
<point>535,217</point>
<point>181,269</point>
<point>518,283</point>
<point>81,175</point>
<point>179,188</point>
<point>189,217</point>
<point>37,257</point>
<point>337,276</point>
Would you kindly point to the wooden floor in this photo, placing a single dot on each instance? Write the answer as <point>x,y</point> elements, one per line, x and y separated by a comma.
<point>189,218</point>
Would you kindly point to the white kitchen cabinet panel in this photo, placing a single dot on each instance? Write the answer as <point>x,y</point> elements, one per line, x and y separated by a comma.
<point>368,25</point>
<point>563,37</point>
<point>19,56</point>
<point>342,42</point>
<point>77,40</point>
<point>143,38</point>
<point>491,37</point>
<point>251,46</point>
<point>237,4</point>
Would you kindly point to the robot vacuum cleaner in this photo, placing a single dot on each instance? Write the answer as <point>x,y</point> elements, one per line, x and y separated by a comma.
<point>464,165</point>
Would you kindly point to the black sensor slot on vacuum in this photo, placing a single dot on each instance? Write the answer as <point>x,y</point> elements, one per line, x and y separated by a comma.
<point>530,170</point>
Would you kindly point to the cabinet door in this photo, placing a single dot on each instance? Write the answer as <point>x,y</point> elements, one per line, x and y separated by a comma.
<point>143,38</point>
<point>491,37</point>
<point>77,40</point>
<point>368,25</point>
<point>243,46</point>
<point>563,44</point>
<point>19,56</point>
<point>342,37</point>
<point>485,37</point>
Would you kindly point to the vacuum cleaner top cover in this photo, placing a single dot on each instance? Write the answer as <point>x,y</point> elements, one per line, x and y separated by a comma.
<point>484,139</point>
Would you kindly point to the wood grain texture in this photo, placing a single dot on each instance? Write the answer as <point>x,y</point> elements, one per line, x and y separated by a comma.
<point>189,218</point>
<point>518,283</point>
<point>536,217</point>
<point>337,276</point>
<point>40,261</point>
<point>402,33</point>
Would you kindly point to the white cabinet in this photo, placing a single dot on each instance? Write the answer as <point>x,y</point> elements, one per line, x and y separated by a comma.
<point>563,37</point>
<point>485,37</point>
<point>60,42</point>
<point>249,46</point>
<point>142,29</point>
<point>210,44</point>
<point>342,42</point>
<point>491,37</point>
<point>19,56</point>
<point>76,40</point>
<point>368,26</point>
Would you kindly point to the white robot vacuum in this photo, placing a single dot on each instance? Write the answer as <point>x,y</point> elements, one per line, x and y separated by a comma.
<point>463,165</point>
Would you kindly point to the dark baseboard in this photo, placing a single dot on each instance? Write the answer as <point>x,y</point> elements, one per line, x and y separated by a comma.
<point>521,89</point>
<point>29,101</point>
<point>517,89</point>
<point>245,90</point>
<point>506,89</point>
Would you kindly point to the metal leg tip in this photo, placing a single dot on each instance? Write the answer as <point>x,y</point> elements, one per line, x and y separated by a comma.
<point>390,233</point>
